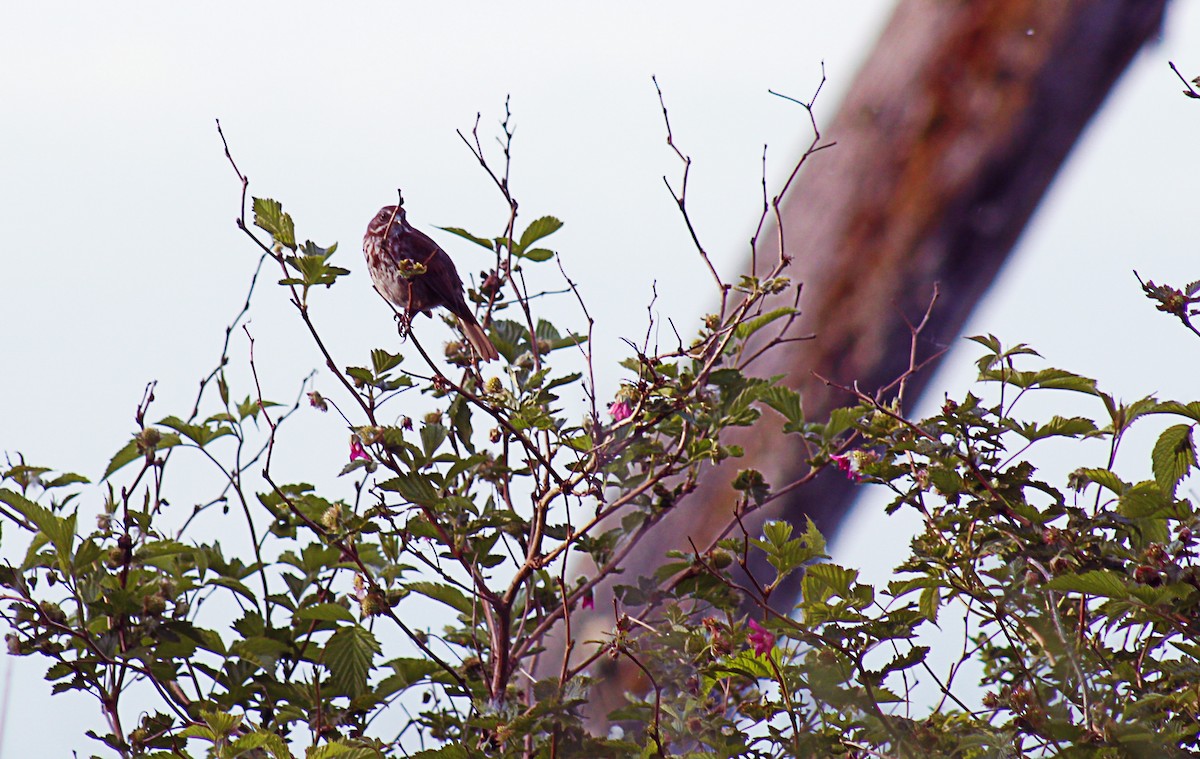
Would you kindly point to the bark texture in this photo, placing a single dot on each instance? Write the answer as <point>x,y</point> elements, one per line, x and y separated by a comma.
<point>948,139</point>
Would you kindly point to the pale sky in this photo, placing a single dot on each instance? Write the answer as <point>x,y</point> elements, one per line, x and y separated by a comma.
<point>122,265</point>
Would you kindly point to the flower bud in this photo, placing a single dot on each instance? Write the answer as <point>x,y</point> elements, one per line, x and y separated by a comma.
<point>331,517</point>
<point>117,556</point>
<point>720,558</point>
<point>372,605</point>
<point>148,439</point>
<point>154,605</point>
<point>53,612</point>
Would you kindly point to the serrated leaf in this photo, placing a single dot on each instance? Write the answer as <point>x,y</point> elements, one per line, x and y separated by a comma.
<point>67,478</point>
<point>270,217</point>
<point>909,658</point>
<point>746,664</point>
<point>447,594</point>
<point>991,342</point>
<point>199,434</point>
<point>1098,582</point>
<point>414,487</point>
<point>812,540</point>
<point>1146,500</point>
<point>382,361</point>
<point>840,420</point>
<point>1057,426</point>
<point>1173,457</point>
<point>325,612</point>
<point>749,327</point>
<point>480,241</point>
<point>929,602</point>
<point>348,655</point>
<point>1190,410</point>
<point>122,457</point>
<point>539,228</point>
<point>1060,379</point>
<point>36,514</point>
<point>538,255</point>
<point>823,581</point>
<point>237,587</point>
<point>786,401</point>
<point>432,436</point>
<point>407,672</point>
<point>1103,477</point>
<point>273,744</point>
<point>221,723</point>
<point>340,750</point>
<point>449,751</point>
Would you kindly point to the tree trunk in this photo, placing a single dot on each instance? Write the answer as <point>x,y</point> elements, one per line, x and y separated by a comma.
<point>946,142</point>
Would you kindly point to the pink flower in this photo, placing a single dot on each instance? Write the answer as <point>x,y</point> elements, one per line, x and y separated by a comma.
<point>589,601</point>
<point>849,464</point>
<point>620,410</point>
<point>356,449</point>
<point>760,639</point>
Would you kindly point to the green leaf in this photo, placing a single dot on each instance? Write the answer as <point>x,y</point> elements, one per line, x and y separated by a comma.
<point>382,361</point>
<point>543,227</point>
<point>340,750</point>
<point>221,723</point>
<point>447,594</point>
<point>270,217</point>
<point>787,402</point>
<point>1098,582</point>
<point>823,581</point>
<point>538,255</point>
<point>1173,457</point>
<point>1049,379</point>
<point>1059,379</point>
<point>348,655</point>
<point>237,587</point>
<point>749,327</point>
<point>1080,478</point>
<point>122,457</point>
<point>415,488</point>
<point>449,751</point>
<point>274,745</point>
<point>929,602</point>
<point>1190,410</point>
<point>407,672</point>
<point>480,241</point>
<point>326,612</point>
<point>314,267</point>
<point>909,658</point>
<point>1058,426</point>
<point>432,436</point>
<point>813,541</point>
<point>36,514</point>
<point>1146,500</point>
<point>199,434</point>
<point>991,342</point>
<point>747,664</point>
<point>69,478</point>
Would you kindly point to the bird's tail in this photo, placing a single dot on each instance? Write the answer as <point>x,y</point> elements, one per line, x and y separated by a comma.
<point>479,340</point>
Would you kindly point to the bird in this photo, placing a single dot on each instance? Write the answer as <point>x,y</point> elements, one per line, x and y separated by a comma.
<point>393,248</point>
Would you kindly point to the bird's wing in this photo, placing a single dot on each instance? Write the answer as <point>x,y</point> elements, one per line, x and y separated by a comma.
<point>441,279</point>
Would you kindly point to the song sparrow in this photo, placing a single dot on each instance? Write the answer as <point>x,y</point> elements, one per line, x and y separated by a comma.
<point>391,246</point>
